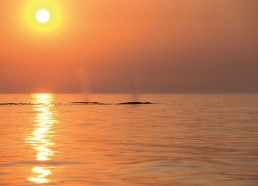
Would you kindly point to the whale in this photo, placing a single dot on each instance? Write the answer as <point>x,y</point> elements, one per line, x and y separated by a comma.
<point>135,103</point>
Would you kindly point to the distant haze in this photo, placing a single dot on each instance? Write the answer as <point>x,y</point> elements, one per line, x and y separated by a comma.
<point>121,46</point>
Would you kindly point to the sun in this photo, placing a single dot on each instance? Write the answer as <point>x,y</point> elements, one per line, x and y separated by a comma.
<point>42,16</point>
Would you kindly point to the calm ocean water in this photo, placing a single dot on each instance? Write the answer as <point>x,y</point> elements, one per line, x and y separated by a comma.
<point>184,140</point>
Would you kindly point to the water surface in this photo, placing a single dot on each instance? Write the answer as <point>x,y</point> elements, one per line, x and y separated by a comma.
<point>185,140</point>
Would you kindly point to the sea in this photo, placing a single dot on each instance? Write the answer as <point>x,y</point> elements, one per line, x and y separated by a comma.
<point>94,140</point>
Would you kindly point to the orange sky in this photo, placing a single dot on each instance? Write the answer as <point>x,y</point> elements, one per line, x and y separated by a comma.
<point>148,45</point>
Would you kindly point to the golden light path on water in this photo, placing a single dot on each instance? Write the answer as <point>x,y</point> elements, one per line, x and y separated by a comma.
<point>41,138</point>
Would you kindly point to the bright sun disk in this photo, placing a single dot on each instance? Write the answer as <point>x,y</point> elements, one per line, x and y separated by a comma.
<point>42,16</point>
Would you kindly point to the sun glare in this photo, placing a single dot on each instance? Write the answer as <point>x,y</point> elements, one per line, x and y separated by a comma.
<point>41,139</point>
<point>42,16</point>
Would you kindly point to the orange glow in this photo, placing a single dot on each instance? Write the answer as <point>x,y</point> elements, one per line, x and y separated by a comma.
<point>183,40</point>
<point>84,29</point>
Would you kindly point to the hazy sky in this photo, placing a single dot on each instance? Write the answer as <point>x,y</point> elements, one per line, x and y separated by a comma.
<point>131,45</point>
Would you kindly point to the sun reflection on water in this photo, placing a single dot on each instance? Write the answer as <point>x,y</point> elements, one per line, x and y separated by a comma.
<point>41,138</point>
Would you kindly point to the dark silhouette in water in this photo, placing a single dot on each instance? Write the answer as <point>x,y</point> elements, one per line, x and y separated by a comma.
<point>124,103</point>
<point>83,103</point>
<point>88,103</point>
<point>19,104</point>
<point>136,103</point>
